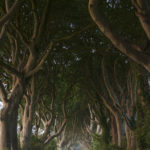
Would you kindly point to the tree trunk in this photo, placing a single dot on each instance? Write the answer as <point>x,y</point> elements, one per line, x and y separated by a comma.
<point>5,142</point>
<point>25,135</point>
<point>46,131</point>
<point>27,118</point>
<point>13,130</point>
<point>130,138</point>
<point>8,129</point>
<point>127,136</point>
<point>26,132</point>
<point>133,142</point>
<point>114,130</point>
<point>8,119</point>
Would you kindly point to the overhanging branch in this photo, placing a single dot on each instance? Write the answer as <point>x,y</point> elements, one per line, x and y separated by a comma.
<point>130,49</point>
<point>74,34</point>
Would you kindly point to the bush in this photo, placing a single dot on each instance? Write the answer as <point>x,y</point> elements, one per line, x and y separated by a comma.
<point>99,143</point>
<point>36,144</point>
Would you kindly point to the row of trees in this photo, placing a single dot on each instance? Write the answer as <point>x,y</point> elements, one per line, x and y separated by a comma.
<point>63,83</point>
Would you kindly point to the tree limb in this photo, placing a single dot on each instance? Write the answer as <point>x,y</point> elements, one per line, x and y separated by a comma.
<point>143,14</point>
<point>22,38</point>
<point>74,34</point>
<point>42,21</point>
<point>131,50</point>
<point>35,28</point>
<point>3,30</point>
<point>4,26</point>
<point>39,65</point>
<point>9,69</point>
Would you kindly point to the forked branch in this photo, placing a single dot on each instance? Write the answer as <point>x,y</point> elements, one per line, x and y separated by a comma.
<point>39,65</point>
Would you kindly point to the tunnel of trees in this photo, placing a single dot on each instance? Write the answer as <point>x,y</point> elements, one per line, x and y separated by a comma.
<point>74,75</point>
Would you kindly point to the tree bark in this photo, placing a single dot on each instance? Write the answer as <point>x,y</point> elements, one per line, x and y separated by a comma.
<point>114,130</point>
<point>27,118</point>
<point>8,129</point>
<point>5,142</point>
<point>8,119</point>
<point>26,132</point>
<point>13,130</point>
<point>130,138</point>
<point>25,135</point>
<point>118,130</point>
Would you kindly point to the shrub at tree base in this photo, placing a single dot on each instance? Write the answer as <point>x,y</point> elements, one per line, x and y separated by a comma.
<point>36,144</point>
<point>98,143</point>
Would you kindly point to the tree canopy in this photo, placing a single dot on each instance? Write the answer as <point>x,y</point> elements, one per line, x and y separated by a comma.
<point>74,74</point>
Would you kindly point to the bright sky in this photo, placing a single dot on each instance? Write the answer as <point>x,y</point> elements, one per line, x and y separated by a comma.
<point>1,105</point>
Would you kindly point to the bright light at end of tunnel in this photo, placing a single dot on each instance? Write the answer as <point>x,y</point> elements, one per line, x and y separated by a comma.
<point>1,105</point>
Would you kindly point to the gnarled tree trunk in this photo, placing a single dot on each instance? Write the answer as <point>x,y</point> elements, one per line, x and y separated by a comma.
<point>25,135</point>
<point>8,128</point>
<point>27,118</point>
<point>8,116</point>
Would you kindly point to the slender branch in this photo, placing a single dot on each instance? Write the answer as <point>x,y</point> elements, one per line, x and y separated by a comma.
<point>42,21</point>
<point>7,2</point>
<point>116,79</point>
<point>35,20</point>
<point>4,26</point>
<point>74,34</point>
<point>143,14</point>
<point>44,115</point>
<point>2,33</point>
<point>22,38</point>
<point>14,48</point>
<point>9,69</point>
<point>43,121</point>
<point>32,90</point>
<point>16,54</point>
<point>108,87</point>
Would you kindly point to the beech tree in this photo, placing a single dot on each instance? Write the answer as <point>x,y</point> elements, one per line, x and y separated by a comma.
<point>23,61</point>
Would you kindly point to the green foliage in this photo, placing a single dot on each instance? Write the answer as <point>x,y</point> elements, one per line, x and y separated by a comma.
<point>51,146</point>
<point>143,127</point>
<point>98,143</point>
<point>36,144</point>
